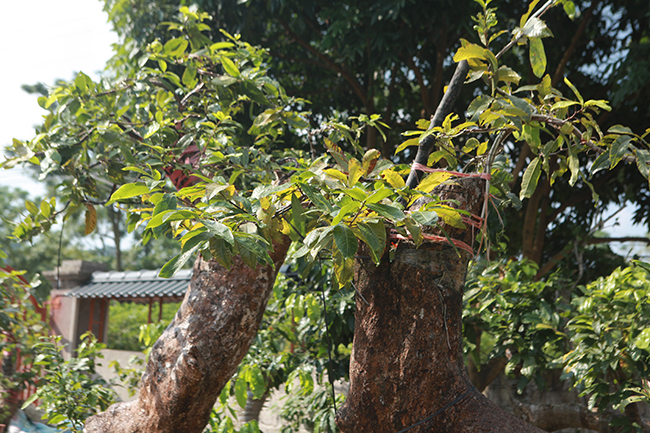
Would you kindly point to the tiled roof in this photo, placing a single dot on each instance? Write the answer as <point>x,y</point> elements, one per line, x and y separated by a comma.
<point>133,284</point>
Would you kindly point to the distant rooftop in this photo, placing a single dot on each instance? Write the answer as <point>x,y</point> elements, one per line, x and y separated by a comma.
<point>134,285</point>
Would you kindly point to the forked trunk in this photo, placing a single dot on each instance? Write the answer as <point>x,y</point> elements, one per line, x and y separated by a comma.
<point>198,352</point>
<point>407,371</point>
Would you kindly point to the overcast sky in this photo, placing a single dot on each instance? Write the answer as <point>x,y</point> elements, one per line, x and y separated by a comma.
<point>43,40</point>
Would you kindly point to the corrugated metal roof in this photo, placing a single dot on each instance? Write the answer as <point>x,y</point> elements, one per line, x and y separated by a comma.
<point>133,284</point>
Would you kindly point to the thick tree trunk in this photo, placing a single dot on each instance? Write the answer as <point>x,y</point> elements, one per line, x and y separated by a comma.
<point>407,366</point>
<point>199,351</point>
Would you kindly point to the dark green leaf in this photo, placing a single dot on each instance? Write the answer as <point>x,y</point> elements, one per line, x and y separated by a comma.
<point>345,240</point>
<point>387,211</point>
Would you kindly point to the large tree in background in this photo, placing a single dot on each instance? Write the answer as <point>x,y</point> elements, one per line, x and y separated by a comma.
<point>209,117</point>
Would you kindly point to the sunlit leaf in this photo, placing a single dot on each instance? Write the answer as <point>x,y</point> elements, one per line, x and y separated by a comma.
<point>530,179</point>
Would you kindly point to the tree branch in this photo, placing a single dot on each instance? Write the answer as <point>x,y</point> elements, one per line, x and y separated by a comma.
<point>444,108</point>
<point>559,123</point>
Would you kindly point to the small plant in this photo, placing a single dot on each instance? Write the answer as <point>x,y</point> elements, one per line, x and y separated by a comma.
<point>71,390</point>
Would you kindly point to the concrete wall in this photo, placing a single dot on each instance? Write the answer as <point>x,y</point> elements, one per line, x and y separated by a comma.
<point>121,356</point>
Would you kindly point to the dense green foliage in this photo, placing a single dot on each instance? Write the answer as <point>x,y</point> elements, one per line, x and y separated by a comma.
<point>69,390</point>
<point>125,319</point>
<point>198,141</point>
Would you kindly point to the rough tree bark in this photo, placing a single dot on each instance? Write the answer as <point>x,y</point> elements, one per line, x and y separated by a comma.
<point>199,351</point>
<point>407,366</point>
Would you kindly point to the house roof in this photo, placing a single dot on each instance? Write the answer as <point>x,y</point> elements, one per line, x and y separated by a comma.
<point>134,285</point>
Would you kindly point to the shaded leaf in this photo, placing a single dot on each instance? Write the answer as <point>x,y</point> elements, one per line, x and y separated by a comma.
<point>345,240</point>
<point>530,179</point>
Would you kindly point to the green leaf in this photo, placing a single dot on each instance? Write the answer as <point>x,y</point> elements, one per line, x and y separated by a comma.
<point>298,214</point>
<point>414,231</point>
<point>569,9</point>
<point>379,195</point>
<point>374,235</point>
<point>189,77</point>
<point>30,400</point>
<point>316,198</point>
<point>563,104</point>
<point>176,264</point>
<point>345,211</point>
<point>387,211</point>
<point>536,28</point>
<point>229,67</point>
<point>450,216</point>
<point>250,249</point>
<point>219,230</point>
<point>128,191</point>
<point>601,163</point>
<point>221,252</point>
<point>256,381</point>
<point>574,90</point>
<point>620,129</point>
<point>345,240</point>
<point>241,391</point>
<point>600,103</point>
<point>426,218</point>
<point>223,80</point>
<point>642,341</point>
<point>618,149</point>
<point>508,75</point>
<point>524,17</point>
<point>530,179</point>
<point>643,162</point>
<point>176,47</point>
<point>537,56</point>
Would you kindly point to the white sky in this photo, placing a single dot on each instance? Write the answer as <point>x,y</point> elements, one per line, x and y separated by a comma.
<point>44,40</point>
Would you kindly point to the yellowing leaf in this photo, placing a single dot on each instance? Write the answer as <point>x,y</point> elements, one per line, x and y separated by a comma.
<point>407,143</point>
<point>336,174</point>
<point>432,181</point>
<point>91,219</point>
<point>450,216</point>
<point>355,171</point>
<point>394,179</point>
